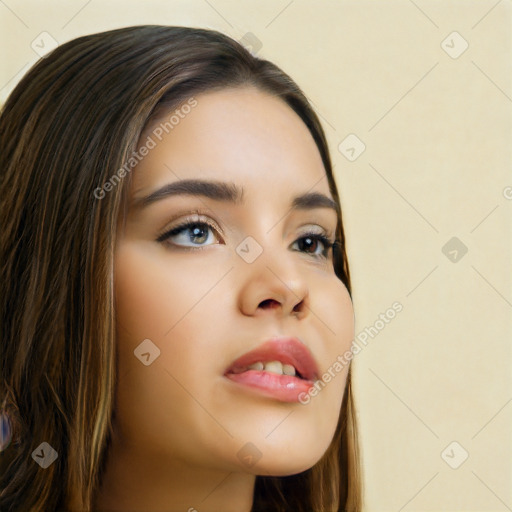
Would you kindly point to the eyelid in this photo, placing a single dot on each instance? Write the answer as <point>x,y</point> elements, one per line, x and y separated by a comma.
<point>316,229</point>
<point>196,216</point>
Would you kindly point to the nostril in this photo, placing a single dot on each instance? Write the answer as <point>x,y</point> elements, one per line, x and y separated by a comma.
<point>298,307</point>
<point>269,304</point>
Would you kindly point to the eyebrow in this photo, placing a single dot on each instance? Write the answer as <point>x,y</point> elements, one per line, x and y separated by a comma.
<point>228,192</point>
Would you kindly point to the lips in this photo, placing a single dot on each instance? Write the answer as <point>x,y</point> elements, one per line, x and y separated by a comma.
<point>277,378</point>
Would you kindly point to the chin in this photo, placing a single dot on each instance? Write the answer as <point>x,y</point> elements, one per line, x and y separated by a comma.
<point>288,464</point>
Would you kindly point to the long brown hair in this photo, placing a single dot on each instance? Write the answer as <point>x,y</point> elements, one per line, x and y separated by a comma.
<point>69,125</point>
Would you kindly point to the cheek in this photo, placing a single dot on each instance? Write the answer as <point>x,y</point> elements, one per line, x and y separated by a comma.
<point>335,314</point>
<point>335,318</point>
<point>142,288</point>
<point>177,309</point>
<point>153,293</point>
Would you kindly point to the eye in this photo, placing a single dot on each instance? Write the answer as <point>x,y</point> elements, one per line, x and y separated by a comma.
<point>311,242</point>
<point>197,233</point>
<point>189,234</point>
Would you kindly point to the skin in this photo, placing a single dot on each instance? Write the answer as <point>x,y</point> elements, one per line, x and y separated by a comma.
<point>179,422</point>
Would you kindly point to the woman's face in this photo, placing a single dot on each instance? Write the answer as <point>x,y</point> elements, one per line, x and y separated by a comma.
<point>206,296</point>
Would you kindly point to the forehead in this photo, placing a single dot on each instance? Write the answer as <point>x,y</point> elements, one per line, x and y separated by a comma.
<point>241,135</point>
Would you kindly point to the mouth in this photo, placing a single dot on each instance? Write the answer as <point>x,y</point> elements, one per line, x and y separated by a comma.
<point>281,368</point>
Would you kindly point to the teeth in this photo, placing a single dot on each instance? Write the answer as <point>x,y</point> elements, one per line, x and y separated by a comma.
<point>274,367</point>
<point>289,369</point>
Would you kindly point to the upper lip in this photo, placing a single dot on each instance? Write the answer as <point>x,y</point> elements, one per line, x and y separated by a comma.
<point>288,350</point>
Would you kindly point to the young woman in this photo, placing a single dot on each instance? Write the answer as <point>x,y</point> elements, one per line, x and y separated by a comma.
<point>176,292</point>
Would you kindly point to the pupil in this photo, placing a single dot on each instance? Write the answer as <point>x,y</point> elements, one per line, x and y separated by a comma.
<point>309,242</point>
<point>201,233</point>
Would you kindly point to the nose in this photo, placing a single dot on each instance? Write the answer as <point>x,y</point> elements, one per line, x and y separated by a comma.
<point>273,284</point>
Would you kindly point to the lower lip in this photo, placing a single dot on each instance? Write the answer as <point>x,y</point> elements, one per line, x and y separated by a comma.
<point>284,388</point>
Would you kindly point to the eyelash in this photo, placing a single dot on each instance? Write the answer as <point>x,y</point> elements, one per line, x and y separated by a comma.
<point>326,242</point>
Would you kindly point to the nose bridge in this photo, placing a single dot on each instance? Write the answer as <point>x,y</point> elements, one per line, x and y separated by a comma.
<point>270,272</point>
<point>264,249</point>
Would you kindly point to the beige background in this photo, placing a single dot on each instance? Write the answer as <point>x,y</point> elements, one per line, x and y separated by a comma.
<point>437,131</point>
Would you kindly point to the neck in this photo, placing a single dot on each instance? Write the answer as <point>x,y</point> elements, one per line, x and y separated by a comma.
<point>134,481</point>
